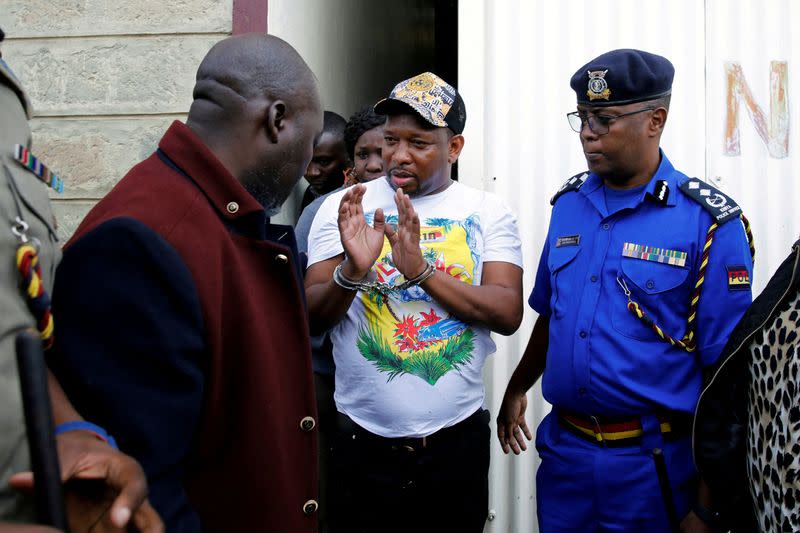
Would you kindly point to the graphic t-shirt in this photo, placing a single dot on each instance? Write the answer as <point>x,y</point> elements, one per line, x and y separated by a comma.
<point>405,367</point>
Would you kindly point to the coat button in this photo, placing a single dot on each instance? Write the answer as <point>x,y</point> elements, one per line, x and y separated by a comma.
<point>650,284</point>
<point>307,423</point>
<point>232,207</point>
<point>280,258</point>
<point>310,507</point>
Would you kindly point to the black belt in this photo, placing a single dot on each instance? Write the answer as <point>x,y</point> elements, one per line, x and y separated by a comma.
<point>412,444</point>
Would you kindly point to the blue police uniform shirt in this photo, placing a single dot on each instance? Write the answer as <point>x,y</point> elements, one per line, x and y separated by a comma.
<point>616,199</point>
<point>603,360</point>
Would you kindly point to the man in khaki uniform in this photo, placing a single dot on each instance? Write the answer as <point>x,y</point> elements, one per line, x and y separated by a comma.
<point>23,202</point>
<point>26,217</point>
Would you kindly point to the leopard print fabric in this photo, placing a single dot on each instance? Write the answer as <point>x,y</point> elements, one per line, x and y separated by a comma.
<point>773,444</point>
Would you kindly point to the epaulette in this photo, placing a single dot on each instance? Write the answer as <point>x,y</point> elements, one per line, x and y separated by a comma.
<point>572,184</point>
<point>720,205</point>
<point>7,77</point>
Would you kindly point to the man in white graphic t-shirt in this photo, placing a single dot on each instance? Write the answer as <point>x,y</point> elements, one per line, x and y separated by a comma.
<point>411,273</point>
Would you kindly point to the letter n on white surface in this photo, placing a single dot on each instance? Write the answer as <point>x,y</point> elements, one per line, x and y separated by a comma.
<point>773,129</point>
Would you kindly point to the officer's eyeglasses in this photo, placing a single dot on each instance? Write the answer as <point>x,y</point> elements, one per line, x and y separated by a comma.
<point>599,124</point>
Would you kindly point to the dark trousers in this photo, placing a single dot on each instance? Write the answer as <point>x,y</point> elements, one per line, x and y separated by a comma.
<point>439,484</point>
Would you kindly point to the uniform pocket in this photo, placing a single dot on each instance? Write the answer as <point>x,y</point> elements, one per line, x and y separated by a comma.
<point>657,288</point>
<point>558,262</point>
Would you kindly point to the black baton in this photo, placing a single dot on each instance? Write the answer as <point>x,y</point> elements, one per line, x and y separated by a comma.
<point>39,426</point>
<point>666,490</point>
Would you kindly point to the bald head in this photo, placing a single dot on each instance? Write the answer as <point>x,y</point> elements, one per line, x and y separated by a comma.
<point>245,68</point>
<point>257,107</point>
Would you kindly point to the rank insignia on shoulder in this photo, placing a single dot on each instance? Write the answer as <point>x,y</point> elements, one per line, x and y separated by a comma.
<point>572,184</point>
<point>721,206</point>
<point>569,240</point>
<point>738,278</point>
<point>25,158</point>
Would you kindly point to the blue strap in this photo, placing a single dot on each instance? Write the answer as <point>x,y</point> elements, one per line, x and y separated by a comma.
<point>76,425</point>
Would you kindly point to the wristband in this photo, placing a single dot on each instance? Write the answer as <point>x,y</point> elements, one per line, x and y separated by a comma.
<point>82,425</point>
<point>711,518</point>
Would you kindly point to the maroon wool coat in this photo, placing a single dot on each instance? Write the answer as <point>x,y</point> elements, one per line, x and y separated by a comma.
<point>250,460</point>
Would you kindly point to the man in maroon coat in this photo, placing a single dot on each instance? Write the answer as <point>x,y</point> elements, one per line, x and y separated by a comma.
<point>186,335</point>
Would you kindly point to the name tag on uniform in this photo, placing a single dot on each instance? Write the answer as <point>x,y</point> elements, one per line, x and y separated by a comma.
<point>569,240</point>
<point>651,253</point>
<point>738,278</point>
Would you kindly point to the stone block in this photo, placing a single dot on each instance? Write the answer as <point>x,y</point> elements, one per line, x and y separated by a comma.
<point>46,18</point>
<point>109,76</point>
<point>69,215</point>
<point>92,155</point>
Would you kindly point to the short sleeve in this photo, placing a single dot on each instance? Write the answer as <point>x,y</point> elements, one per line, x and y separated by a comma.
<point>539,300</point>
<point>324,241</point>
<point>501,238</point>
<point>723,301</point>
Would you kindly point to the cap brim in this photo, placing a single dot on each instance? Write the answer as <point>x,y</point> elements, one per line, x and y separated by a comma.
<point>388,106</point>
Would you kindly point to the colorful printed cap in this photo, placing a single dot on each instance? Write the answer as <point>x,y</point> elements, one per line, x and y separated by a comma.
<point>623,77</point>
<point>434,99</point>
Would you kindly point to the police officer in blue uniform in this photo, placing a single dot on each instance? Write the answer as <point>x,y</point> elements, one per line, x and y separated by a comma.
<point>643,275</point>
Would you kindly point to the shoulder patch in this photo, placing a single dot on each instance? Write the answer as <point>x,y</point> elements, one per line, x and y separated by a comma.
<point>572,184</point>
<point>720,205</point>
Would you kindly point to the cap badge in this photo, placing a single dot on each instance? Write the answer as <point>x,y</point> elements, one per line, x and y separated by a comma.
<point>598,87</point>
<point>420,83</point>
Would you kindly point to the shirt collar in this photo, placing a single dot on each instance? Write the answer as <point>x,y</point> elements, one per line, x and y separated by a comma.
<point>665,172</point>
<point>592,188</point>
<point>223,190</point>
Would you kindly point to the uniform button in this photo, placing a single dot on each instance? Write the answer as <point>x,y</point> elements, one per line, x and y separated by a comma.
<point>232,207</point>
<point>280,258</point>
<point>650,284</point>
<point>307,423</point>
<point>582,391</point>
<point>606,226</point>
<point>583,334</point>
<point>310,507</point>
<point>594,279</point>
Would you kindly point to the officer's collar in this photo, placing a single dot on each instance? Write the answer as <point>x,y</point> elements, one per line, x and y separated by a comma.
<point>663,187</point>
<point>653,189</point>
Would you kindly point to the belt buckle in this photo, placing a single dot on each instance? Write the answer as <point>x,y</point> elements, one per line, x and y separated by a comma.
<point>598,431</point>
<point>411,446</point>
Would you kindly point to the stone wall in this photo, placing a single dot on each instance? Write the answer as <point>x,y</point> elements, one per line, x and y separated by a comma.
<point>106,78</point>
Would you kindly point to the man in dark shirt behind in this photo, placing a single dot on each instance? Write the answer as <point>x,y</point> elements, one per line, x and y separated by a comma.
<point>325,172</point>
